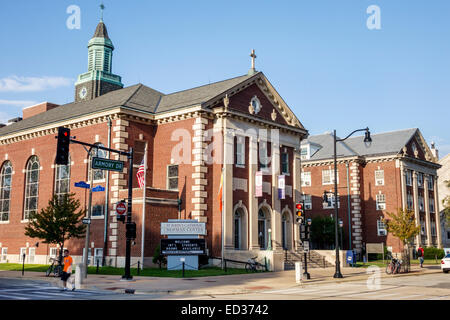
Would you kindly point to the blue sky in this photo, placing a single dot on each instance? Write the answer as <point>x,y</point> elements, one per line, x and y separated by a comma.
<point>328,66</point>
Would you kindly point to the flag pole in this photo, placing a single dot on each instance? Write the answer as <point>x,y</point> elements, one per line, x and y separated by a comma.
<point>144,193</point>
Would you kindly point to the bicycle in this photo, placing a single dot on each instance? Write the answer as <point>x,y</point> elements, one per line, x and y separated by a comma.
<point>253,265</point>
<point>394,266</point>
<point>55,268</point>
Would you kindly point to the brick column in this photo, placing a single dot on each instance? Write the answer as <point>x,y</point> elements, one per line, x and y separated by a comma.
<point>403,184</point>
<point>355,206</point>
<point>252,200</point>
<point>437,213</point>
<point>427,212</point>
<point>416,207</point>
<point>199,168</point>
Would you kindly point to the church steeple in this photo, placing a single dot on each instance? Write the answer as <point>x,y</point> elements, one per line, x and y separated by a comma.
<point>99,79</point>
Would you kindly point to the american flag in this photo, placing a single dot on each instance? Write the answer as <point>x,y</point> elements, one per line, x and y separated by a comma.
<point>140,174</point>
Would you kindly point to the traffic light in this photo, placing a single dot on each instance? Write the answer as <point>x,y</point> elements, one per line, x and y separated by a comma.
<point>121,217</point>
<point>62,148</point>
<point>131,230</point>
<point>299,212</point>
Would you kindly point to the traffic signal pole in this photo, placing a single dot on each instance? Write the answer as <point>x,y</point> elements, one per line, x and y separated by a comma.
<point>127,275</point>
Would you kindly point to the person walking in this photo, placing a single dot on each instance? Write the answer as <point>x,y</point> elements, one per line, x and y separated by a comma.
<point>420,254</point>
<point>67,270</point>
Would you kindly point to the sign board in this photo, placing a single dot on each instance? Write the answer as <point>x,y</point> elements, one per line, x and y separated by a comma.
<point>106,164</point>
<point>306,246</point>
<point>281,187</point>
<point>121,208</point>
<point>98,189</point>
<point>86,221</point>
<point>183,246</point>
<point>82,184</point>
<point>168,228</point>
<point>258,184</point>
<point>375,247</point>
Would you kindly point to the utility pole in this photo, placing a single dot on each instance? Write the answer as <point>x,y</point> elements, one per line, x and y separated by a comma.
<point>89,212</point>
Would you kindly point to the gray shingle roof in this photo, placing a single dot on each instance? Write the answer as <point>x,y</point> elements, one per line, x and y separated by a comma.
<point>382,144</point>
<point>138,97</point>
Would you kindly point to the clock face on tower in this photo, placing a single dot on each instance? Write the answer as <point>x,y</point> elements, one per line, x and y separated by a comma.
<point>83,92</point>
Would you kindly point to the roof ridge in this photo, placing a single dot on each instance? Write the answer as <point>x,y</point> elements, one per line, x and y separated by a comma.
<point>205,85</point>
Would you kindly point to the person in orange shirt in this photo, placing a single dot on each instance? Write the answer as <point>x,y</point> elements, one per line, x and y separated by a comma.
<point>67,270</point>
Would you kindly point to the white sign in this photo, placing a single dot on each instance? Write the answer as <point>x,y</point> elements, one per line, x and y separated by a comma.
<point>169,228</point>
<point>306,246</point>
<point>298,272</point>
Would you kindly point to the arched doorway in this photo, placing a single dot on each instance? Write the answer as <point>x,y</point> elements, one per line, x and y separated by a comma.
<point>286,230</point>
<point>238,216</point>
<point>263,226</point>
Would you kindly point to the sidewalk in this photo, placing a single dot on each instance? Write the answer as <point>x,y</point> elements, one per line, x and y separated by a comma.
<point>232,284</point>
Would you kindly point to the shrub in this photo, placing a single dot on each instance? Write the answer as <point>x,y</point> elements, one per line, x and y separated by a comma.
<point>158,258</point>
<point>432,253</point>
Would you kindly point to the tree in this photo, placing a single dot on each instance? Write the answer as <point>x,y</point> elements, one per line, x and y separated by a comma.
<point>58,222</point>
<point>403,226</point>
<point>158,258</point>
<point>322,232</point>
<point>446,203</point>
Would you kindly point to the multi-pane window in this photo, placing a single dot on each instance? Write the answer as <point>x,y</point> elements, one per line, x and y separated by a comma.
<point>379,177</point>
<point>308,201</point>
<point>62,180</point>
<point>240,151</point>
<point>432,205</point>
<point>420,180</point>
<point>381,202</point>
<point>99,174</point>
<point>4,255</point>
<point>285,163</point>
<point>421,204</point>
<point>381,227</point>
<point>328,176</point>
<point>5,190</point>
<point>408,177</point>
<point>330,200</point>
<point>422,227</point>
<point>98,256</point>
<point>31,186</point>
<point>22,254</point>
<point>98,210</point>
<point>172,177</point>
<point>430,182</point>
<point>306,179</point>
<point>433,228</point>
<point>263,155</point>
<point>409,201</point>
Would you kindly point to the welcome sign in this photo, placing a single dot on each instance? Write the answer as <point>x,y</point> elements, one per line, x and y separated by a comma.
<point>171,228</point>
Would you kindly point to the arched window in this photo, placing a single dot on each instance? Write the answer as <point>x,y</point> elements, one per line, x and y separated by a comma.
<point>237,228</point>
<point>62,179</point>
<point>5,190</point>
<point>31,186</point>
<point>262,229</point>
<point>97,153</point>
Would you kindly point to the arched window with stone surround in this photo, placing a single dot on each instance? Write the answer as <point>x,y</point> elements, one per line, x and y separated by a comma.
<point>5,190</point>
<point>62,179</point>
<point>263,226</point>
<point>237,229</point>
<point>286,229</point>
<point>31,186</point>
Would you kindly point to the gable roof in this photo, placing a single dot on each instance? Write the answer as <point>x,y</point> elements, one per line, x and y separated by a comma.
<point>382,144</point>
<point>137,97</point>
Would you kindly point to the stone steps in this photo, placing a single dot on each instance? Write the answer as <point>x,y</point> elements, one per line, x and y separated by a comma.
<point>314,259</point>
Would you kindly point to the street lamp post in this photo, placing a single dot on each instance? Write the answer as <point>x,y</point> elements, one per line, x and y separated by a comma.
<point>341,225</point>
<point>367,139</point>
<point>307,227</point>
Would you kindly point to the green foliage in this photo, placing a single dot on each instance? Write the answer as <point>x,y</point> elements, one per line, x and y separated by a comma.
<point>158,258</point>
<point>322,231</point>
<point>58,222</point>
<point>431,253</point>
<point>402,225</point>
<point>446,203</point>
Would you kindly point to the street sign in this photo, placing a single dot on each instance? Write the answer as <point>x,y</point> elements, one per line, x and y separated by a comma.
<point>106,164</point>
<point>82,184</point>
<point>98,189</point>
<point>183,246</point>
<point>306,246</point>
<point>176,228</point>
<point>121,208</point>
<point>86,221</point>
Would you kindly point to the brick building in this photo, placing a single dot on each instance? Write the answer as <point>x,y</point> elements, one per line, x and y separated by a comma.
<point>187,136</point>
<point>397,170</point>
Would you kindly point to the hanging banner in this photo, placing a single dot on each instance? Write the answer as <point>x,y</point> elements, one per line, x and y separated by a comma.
<point>258,184</point>
<point>281,187</point>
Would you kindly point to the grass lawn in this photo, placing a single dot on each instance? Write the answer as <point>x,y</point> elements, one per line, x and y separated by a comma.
<point>380,263</point>
<point>148,272</point>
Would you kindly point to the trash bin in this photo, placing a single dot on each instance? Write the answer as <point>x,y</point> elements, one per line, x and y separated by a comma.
<point>351,257</point>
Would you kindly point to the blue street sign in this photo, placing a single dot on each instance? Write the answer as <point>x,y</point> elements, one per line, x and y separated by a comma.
<point>98,189</point>
<point>82,184</point>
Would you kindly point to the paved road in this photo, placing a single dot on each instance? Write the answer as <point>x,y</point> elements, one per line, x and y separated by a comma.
<point>17,289</point>
<point>424,287</point>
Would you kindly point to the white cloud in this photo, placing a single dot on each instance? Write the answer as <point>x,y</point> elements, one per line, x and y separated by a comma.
<point>17,103</point>
<point>29,84</point>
